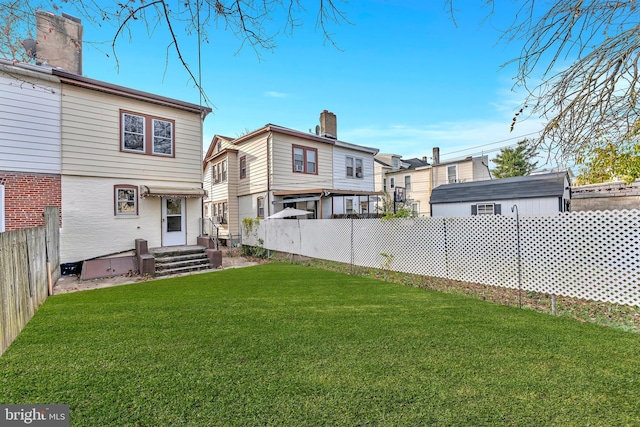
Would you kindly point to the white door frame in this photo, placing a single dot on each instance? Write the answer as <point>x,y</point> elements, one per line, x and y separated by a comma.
<point>174,224</point>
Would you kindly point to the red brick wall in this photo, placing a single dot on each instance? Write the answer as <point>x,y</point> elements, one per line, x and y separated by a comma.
<point>26,195</point>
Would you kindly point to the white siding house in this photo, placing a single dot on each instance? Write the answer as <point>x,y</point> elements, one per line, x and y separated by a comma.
<point>131,169</point>
<point>353,171</point>
<point>30,144</point>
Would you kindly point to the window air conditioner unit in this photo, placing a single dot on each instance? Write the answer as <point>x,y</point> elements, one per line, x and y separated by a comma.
<point>299,168</point>
<point>358,174</point>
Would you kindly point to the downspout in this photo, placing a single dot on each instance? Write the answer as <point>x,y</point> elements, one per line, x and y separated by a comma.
<point>268,204</point>
<point>430,190</point>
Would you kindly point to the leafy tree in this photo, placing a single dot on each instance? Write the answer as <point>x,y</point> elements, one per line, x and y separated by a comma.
<point>516,161</point>
<point>611,162</point>
<point>397,210</point>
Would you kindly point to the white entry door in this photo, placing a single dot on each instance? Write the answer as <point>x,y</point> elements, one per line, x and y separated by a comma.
<point>174,231</point>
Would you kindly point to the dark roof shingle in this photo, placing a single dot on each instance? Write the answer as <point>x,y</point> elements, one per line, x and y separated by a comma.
<point>520,187</point>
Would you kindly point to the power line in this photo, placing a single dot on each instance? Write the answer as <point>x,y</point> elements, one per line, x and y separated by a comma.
<point>491,143</point>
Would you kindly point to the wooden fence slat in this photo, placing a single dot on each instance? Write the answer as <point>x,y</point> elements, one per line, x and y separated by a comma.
<point>23,273</point>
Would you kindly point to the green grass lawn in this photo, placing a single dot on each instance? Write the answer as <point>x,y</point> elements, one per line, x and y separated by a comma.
<point>289,345</point>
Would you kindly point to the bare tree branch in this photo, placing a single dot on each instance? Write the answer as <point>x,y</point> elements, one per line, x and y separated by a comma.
<point>579,68</point>
<point>255,23</point>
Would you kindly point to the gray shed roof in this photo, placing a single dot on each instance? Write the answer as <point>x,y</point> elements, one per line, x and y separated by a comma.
<point>520,187</point>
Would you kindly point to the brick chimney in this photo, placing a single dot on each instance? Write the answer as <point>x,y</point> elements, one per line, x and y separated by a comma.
<point>436,155</point>
<point>328,125</point>
<point>59,41</point>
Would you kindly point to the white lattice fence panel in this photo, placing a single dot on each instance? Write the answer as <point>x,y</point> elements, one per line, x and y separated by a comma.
<point>589,255</point>
<point>482,249</point>
<point>328,239</point>
<point>370,242</point>
<point>413,245</point>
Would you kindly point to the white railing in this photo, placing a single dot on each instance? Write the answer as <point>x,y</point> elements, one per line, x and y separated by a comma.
<point>589,255</point>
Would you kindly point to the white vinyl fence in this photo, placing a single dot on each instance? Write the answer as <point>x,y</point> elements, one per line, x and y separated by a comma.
<point>589,255</point>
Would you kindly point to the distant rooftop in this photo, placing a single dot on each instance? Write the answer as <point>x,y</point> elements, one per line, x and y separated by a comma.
<point>521,187</point>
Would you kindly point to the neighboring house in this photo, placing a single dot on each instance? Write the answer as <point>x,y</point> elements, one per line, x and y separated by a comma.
<point>607,196</point>
<point>540,194</point>
<point>274,167</point>
<point>128,162</point>
<point>220,179</point>
<point>416,178</point>
<point>30,147</point>
<point>413,176</point>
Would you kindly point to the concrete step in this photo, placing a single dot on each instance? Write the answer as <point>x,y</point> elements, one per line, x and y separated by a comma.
<point>180,260</point>
<point>183,269</point>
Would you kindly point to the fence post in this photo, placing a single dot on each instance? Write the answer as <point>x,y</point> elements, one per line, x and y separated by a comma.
<point>352,253</point>
<point>446,252</point>
<point>519,257</point>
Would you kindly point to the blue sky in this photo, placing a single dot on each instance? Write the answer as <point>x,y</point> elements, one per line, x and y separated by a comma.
<point>404,79</point>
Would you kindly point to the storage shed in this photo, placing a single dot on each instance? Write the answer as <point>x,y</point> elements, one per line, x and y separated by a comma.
<point>540,194</point>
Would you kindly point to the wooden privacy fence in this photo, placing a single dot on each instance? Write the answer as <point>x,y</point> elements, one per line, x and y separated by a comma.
<point>25,256</point>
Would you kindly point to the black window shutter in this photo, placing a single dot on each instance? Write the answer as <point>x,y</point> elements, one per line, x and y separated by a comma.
<point>497,209</point>
<point>474,209</point>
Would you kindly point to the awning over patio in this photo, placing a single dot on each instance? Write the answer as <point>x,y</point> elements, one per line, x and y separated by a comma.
<point>299,199</point>
<point>153,191</point>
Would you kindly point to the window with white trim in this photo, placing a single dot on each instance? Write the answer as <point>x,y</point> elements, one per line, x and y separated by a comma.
<point>224,171</point>
<point>486,209</point>
<point>220,212</point>
<point>260,207</point>
<point>452,174</point>
<point>243,167</point>
<point>349,206</point>
<point>126,200</point>
<point>407,182</point>
<point>354,167</point>
<point>392,182</point>
<point>219,172</point>
<point>145,134</point>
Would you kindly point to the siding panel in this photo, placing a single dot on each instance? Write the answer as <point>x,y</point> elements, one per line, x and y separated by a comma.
<point>30,123</point>
<point>283,176</point>
<point>91,134</point>
<point>340,179</point>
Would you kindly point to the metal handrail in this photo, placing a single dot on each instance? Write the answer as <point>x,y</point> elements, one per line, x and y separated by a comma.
<point>208,226</point>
